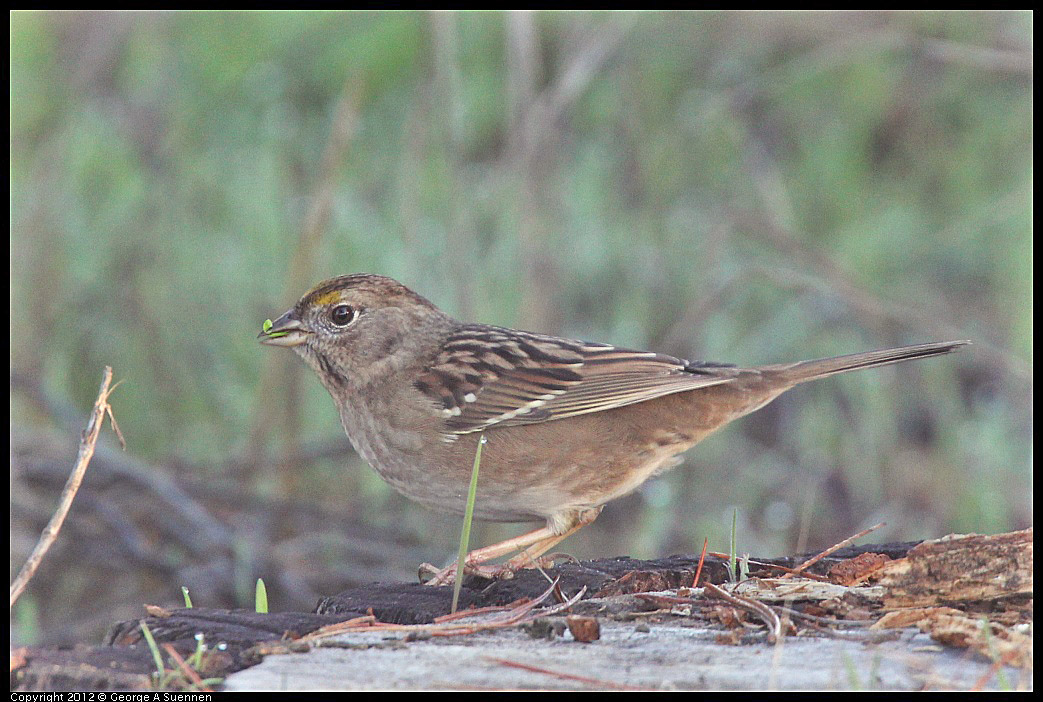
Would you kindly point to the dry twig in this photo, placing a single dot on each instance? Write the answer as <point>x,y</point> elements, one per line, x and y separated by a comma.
<point>775,566</point>
<point>835,547</point>
<point>604,684</point>
<point>763,611</point>
<point>88,439</point>
<point>702,559</point>
<point>518,615</point>
<point>192,675</point>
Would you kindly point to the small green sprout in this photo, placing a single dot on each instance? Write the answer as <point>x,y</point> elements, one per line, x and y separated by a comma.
<point>261,598</point>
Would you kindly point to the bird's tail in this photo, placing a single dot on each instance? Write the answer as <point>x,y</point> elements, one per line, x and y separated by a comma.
<point>812,370</point>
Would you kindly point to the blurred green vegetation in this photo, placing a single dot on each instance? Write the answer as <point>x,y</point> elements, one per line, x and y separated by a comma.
<point>743,187</point>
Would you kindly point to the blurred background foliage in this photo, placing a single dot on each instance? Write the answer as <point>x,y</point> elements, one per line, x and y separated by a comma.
<point>743,187</point>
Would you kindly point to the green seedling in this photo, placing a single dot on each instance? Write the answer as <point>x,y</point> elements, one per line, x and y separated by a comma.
<point>164,679</point>
<point>261,598</point>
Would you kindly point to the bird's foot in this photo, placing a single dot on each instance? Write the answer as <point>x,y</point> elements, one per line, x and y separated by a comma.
<point>432,575</point>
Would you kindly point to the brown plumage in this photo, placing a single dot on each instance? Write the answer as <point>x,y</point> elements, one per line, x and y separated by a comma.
<point>570,424</point>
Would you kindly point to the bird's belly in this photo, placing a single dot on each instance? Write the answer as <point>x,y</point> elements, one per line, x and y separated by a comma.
<point>530,472</point>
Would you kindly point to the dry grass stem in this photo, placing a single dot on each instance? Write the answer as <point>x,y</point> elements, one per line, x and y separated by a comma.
<point>761,610</point>
<point>518,615</point>
<point>192,675</point>
<point>835,547</point>
<point>88,440</point>
<point>601,684</point>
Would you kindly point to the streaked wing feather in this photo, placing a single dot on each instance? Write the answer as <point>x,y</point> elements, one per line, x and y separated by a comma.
<point>487,376</point>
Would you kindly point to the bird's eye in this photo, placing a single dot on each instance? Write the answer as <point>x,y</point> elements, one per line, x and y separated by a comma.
<point>342,315</point>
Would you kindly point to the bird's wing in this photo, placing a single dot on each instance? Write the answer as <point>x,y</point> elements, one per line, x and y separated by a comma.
<point>487,376</point>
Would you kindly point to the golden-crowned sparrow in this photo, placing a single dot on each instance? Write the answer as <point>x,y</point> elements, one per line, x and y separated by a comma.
<point>570,424</point>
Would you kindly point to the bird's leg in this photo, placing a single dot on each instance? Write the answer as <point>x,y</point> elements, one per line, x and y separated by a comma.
<point>530,547</point>
<point>529,557</point>
<point>474,559</point>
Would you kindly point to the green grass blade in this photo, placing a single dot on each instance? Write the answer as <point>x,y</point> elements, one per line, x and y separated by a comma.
<point>152,646</point>
<point>196,659</point>
<point>733,552</point>
<point>465,533</point>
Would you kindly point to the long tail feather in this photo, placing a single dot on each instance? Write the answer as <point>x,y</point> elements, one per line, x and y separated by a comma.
<point>811,370</point>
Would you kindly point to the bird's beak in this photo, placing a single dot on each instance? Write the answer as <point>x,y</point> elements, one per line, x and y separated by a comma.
<point>285,331</point>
